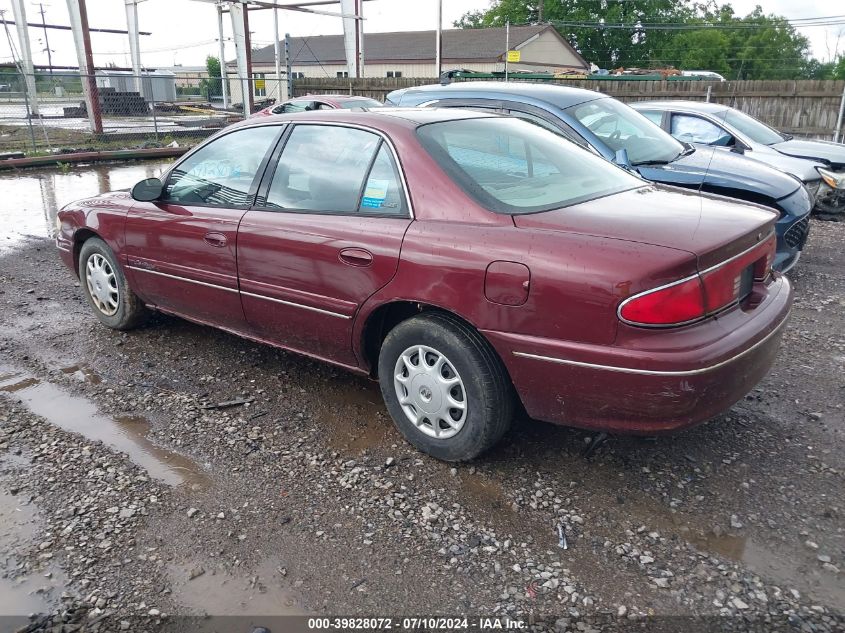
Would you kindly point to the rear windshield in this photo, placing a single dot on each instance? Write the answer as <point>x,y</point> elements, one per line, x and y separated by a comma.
<point>511,166</point>
<point>360,103</point>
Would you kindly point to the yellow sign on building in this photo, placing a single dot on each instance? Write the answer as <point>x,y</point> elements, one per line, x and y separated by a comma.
<point>514,56</point>
<point>260,84</point>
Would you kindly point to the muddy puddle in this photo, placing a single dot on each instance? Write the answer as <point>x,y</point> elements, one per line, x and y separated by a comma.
<point>786,564</point>
<point>215,592</point>
<point>82,372</point>
<point>126,433</point>
<point>353,417</point>
<point>28,593</point>
<point>32,197</point>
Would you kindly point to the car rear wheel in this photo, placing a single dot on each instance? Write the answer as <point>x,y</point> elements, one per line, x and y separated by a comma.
<point>444,387</point>
<point>105,287</point>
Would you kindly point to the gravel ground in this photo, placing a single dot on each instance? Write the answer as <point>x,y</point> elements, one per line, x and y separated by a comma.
<point>129,498</point>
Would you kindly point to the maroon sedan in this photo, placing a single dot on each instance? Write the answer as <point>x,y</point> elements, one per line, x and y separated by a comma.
<point>319,102</point>
<point>468,261</point>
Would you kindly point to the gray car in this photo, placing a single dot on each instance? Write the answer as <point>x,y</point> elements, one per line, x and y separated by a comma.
<point>819,164</point>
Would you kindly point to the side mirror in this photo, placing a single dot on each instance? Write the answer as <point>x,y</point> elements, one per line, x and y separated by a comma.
<point>148,190</point>
<point>739,147</point>
<point>622,159</point>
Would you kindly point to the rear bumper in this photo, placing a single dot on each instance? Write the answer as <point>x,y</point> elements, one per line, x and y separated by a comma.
<point>650,381</point>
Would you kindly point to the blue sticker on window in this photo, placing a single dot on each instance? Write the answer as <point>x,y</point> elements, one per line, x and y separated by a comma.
<point>375,193</point>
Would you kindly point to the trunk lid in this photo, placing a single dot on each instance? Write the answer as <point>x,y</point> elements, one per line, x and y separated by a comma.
<point>712,228</point>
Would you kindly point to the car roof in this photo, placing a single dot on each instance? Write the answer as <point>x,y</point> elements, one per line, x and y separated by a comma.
<point>688,106</point>
<point>560,96</point>
<point>377,117</point>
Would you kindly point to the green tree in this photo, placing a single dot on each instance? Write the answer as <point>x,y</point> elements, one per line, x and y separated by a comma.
<point>814,69</point>
<point>213,86</point>
<point>705,49</point>
<point>658,33</point>
<point>767,47</point>
<point>623,42</point>
<point>839,69</point>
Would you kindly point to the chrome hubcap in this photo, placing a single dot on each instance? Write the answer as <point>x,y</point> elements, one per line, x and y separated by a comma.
<point>430,391</point>
<point>102,284</point>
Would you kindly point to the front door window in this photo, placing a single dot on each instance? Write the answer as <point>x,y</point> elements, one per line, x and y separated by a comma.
<point>223,172</point>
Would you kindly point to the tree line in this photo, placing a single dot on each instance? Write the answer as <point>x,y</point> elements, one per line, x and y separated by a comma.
<point>678,33</point>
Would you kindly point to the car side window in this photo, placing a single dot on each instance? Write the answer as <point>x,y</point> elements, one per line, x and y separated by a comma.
<point>694,129</point>
<point>298,106</point>
<point>223,172</point>
<point>382,193</point>
<point>322,169</point>
<point>655,116</point>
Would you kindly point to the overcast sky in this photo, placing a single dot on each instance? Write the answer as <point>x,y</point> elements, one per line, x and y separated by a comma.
<point>185,31</point>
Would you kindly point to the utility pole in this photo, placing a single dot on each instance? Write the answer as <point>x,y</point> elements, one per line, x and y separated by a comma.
<point>78,13</point>
<point>439,40</point>
<point>224,80</point>
<point>540,11</point>
<point>507,45</point>
<point>277,53</point>
<point>27,67</point>
<point>288,67</point>
<point>46,39</point>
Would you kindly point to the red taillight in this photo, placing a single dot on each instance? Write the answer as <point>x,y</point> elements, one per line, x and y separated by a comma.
<point>701,295</point>
<point>678,303</point>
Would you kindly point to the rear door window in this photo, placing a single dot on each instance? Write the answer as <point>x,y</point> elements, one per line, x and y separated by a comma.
<point>334,169</point>
<point>383,193</point>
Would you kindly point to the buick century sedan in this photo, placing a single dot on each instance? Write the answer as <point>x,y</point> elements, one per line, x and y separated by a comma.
<point>471,263</point>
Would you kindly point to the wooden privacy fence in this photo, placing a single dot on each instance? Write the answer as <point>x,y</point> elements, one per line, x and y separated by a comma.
<point>804,108</point>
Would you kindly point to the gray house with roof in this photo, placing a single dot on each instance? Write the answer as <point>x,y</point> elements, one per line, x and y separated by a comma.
<point>412,54</point>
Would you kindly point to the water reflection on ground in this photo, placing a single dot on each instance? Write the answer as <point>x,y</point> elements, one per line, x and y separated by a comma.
<point>30,198</point>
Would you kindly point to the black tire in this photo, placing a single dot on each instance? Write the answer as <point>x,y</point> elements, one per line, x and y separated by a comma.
<point>130,310</point>
<point>488,391</point>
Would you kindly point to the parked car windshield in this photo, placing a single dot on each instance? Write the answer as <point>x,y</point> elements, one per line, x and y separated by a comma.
<point>514,167</point>
<point>360,103</point>
<point>621,127</point>
<point>756,130</point>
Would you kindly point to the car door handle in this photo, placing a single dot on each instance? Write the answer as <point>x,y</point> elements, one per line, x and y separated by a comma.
<point>356,257</point>
<point>215,239</point>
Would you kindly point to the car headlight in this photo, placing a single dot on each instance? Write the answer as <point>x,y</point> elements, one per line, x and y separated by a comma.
<point>831,178</point>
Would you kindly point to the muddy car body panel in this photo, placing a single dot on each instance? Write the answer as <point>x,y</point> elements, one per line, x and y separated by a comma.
<point>567,111</point>
<point>545,288</point>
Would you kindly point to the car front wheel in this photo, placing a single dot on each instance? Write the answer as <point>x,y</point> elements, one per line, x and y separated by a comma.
<point>444,387</point>
<point>105,287</point>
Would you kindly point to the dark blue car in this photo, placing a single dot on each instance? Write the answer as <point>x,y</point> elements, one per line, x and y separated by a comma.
<point>619,133</point>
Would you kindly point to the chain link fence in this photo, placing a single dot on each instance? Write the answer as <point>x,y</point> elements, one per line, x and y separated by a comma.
<point>63,112</point>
